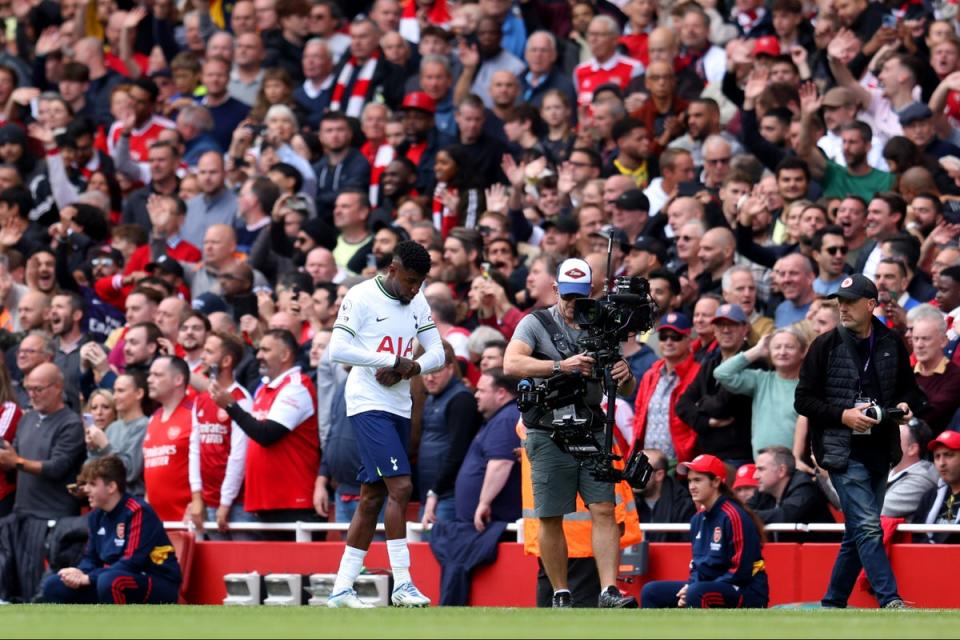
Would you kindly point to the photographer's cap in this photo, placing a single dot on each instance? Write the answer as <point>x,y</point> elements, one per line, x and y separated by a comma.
<point>574,276</point>
<point>948,439</point>
<point>706,463</point>
<point>730,312</point>
<point>745,476</point>
<point>855,287</point>
<point>674,321</point>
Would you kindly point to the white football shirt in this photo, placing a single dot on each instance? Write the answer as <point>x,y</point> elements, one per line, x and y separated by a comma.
<point>372,329</point>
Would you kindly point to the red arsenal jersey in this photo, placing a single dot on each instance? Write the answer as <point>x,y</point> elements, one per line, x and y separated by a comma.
<point>166,448</point>
<point>217,439</point>
<point>140,139</point>
<point>282,475</point>
<point>589,75</point>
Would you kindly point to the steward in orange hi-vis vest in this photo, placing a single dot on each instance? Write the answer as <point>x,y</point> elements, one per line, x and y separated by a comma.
<point>577,526</point>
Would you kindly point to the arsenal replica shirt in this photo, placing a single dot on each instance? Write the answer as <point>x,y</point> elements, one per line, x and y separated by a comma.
<point>372,329</point>
<point>619,70</point>
<point>218,449</point>
<point>166,448</point>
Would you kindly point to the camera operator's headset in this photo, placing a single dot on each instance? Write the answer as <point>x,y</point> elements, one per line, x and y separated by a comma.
<point>594,393</point>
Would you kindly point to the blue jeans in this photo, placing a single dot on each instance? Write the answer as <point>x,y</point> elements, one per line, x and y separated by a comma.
<point>343,510</point>
<point>446,510</point>
<point>861,495</point>
<point>236,514</point>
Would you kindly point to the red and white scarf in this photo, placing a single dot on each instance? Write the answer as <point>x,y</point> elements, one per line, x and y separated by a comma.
<point>438,15</point>
<point>444,219</point>
<point>384,156</point>
<point>359,94</point>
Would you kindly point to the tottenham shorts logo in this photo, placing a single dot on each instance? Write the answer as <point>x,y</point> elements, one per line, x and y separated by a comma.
<point>574,273</point>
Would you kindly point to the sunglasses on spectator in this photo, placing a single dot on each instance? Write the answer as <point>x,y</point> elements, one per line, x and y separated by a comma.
<point>570,297</point>
<point>670,336</point>
<point>102,262</point>
<point>838,250</point>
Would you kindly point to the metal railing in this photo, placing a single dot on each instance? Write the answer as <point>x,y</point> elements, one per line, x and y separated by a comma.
<point>303,530</point>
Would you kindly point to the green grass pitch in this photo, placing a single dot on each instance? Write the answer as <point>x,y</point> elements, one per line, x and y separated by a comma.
<point>49,621</point>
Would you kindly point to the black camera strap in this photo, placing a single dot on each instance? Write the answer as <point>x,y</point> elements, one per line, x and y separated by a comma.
<point>557,335</point>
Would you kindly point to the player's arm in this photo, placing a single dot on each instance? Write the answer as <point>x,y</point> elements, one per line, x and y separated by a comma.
<point>433,357</point>
<point>344,347</point>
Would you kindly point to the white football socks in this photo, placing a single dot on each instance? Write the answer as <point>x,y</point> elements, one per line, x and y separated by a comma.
<point>351,564</point>
<point>399,560</point>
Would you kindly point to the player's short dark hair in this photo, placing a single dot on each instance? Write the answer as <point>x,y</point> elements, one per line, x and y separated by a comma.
<point>232,346</point>
<point>412,257</point>
<point>816,242</point>
<point>501,380</point>
<point>669,276</point>
<point>108,468</point>
<point>287,338</point>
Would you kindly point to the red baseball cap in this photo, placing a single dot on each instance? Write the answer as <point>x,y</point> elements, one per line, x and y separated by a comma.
<point>705,463</point>
<point>948,439</point>
<point>419,100</point>
<point>745,476</point>
<point>766,46</point>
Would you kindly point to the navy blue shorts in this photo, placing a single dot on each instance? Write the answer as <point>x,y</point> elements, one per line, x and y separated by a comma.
<point>382,439</point>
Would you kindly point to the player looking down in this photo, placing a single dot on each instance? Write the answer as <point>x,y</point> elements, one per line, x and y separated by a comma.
<point>375,333</point>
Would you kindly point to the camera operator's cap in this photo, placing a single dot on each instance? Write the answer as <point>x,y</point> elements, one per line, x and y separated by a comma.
<point>674,321</point>
<point>744,477</point>
<point>633,200</point>
<point>766,46</point>
<point>731,312</point>
<point>563,224</point>
<point>706,463</point>
<point>855,287</point>
<point>574,276</point>
<point>915,113</point>
<point>948,439</point>
<point>839,97</point>
<point>166,264</point>
<point>420,101</point>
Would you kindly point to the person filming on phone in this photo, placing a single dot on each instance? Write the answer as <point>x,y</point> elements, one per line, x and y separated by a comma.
<point>856,386</point>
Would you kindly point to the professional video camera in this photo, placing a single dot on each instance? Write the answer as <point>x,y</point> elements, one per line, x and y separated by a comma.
<point>569,405</point>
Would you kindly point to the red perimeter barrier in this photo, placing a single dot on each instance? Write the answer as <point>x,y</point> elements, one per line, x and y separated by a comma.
<point>798,572</point>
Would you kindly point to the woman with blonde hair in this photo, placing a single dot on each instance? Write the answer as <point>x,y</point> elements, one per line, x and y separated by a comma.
<point>774,419</point>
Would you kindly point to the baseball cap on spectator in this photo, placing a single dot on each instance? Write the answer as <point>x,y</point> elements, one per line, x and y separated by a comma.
<point>948,439</point>
<point>420,101</point>
<point>11,133</point>
<point>619,236</point>
<point>731,313</point>
<point>915,113</point>
<point>839,97</point>
<point>674,321</point>
<point>745,475</point>
<point>574,276</point>
<point>855,287</point>
<point>766,46</point>
<point>166,264</point>
<point>106,251</point>
<point>633,200</point>
<point>563,224</point>
<point>208,303</point>
<point>706,463</point>
<point>651,246</point>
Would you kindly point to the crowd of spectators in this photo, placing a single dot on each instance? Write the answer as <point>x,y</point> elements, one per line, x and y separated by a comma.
<point>187,182</point>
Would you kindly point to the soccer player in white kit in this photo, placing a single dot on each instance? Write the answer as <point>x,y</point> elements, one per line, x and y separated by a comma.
<point>376,332</point>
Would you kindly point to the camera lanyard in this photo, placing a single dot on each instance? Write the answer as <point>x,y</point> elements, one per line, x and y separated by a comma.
<point>853,346</point>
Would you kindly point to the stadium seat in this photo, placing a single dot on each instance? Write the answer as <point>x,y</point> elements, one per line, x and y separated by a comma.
<point>183,542</point>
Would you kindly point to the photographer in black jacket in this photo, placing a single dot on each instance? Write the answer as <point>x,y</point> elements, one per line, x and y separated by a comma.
<point>848,373</point>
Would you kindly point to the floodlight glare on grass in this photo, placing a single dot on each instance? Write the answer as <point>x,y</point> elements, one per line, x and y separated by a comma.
<point>243,589</point>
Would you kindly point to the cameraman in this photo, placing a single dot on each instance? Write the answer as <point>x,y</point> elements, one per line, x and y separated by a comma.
<point>544,345</point>
<point>858,366</point>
